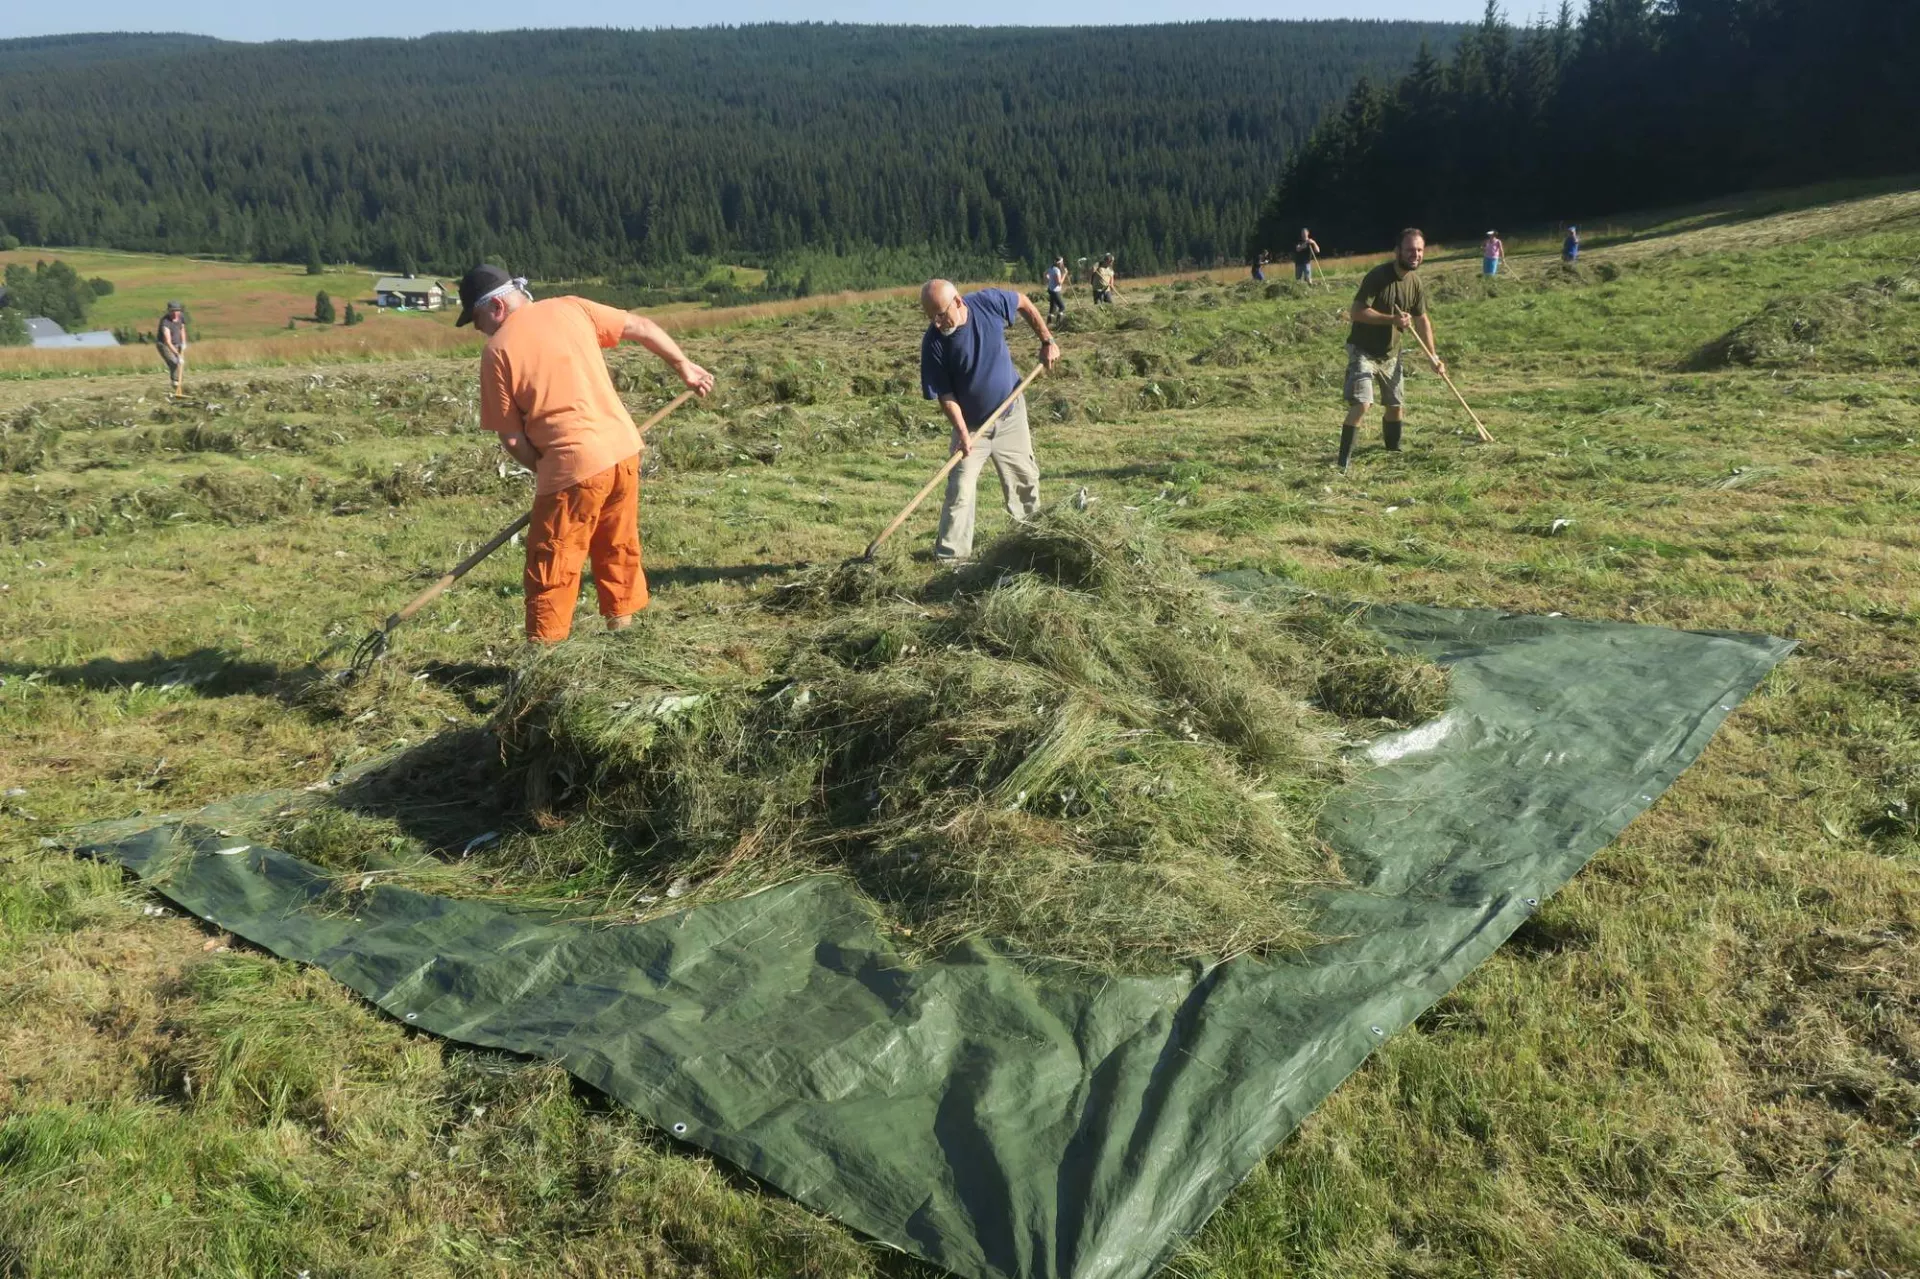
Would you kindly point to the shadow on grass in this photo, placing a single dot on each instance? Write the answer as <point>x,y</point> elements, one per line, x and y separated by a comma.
<point>469,681</point>
<point>208,672</point>
<point>442,792</point>
<point>699,575</point>
<point>217,672</point>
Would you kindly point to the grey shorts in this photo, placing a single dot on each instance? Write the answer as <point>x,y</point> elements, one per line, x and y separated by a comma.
<point>1363,371</point>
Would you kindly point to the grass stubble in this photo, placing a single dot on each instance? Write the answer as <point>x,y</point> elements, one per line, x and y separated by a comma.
<point>1701,1057</point>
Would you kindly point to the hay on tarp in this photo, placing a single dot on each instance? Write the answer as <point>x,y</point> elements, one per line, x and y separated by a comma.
<point>1073,745</point>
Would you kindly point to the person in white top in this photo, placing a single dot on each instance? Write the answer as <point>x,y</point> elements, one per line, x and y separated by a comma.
<point>1492,253</point>
<point>1057,277</point>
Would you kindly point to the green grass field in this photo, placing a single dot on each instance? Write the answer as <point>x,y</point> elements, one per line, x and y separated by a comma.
<point>226,299</point>
<point>1700,1058</point>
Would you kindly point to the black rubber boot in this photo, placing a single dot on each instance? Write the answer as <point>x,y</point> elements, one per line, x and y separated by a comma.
<point>1346,445</point>
<point>1390,432</point>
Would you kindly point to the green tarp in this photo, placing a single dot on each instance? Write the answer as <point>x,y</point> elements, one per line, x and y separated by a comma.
<point>999,1120</point>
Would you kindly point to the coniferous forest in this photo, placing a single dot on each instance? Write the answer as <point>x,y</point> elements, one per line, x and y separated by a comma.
<point>1628,104</point>
<point>574,152</point>
<point>840,156</point>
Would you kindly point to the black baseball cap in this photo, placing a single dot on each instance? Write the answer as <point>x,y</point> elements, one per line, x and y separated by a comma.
<point>475,285</point>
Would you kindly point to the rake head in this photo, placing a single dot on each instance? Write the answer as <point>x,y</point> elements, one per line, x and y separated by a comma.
<point>369,651</point>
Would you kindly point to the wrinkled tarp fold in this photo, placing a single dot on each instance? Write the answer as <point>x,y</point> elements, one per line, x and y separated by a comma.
<point>997,1119</point>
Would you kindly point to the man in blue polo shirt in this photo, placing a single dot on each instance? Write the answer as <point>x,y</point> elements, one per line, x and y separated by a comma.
<point>965,364</point>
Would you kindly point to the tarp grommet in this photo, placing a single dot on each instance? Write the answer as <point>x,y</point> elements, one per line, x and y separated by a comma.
<point>1532,902</point>
<point>411,1016</point>
<point>679,1130</point>
<point>1378,1032</point>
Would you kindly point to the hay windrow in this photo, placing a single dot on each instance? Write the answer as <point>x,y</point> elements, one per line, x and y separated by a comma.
<point>1865,324</point>
<point>1073,745</point>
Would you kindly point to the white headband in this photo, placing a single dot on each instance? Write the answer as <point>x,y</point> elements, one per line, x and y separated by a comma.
<point>517,282</point>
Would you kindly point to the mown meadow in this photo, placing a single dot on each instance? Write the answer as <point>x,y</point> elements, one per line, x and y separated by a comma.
<point>1701,1057</point>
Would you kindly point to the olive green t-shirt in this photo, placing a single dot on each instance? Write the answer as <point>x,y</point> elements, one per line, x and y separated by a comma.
<point>1383,290</point>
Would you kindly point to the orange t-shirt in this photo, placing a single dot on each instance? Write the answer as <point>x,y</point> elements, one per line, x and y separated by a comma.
<point>542,376</point>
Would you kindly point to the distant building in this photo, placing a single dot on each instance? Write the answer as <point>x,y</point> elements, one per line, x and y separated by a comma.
<point>45,333</point>
<point>412,291</point>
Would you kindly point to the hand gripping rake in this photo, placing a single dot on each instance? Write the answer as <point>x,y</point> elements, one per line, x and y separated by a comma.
<point>952,462</point>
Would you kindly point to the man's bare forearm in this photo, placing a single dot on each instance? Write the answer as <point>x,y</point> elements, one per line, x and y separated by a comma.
<point>951,408</point>
<point>1049,349</point>
<point>650,335</point>
<point>656,339</point>
<point>1035,321</point>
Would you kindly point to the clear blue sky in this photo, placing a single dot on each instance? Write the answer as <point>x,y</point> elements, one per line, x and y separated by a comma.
<point>343,19</point>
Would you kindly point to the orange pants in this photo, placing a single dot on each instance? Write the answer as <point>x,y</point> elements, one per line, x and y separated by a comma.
<point>598,518</point>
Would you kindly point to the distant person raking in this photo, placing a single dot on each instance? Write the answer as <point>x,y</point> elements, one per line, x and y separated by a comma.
<point>172,343</point>
<point>1305,251</point>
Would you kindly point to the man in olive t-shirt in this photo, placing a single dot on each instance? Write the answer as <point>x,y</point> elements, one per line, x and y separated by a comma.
<point>1391,298</point>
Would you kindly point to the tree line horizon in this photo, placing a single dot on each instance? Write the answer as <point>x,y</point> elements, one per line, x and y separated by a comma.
<point>587,153</point>
<point>1631,105</point>
<point>840,157</point>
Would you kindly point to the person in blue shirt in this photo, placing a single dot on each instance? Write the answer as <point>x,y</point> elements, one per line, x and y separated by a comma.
<point>1570,247</point>
<point>965,365</point>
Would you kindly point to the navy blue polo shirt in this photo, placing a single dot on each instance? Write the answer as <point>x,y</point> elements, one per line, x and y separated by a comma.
<point>972,364</point>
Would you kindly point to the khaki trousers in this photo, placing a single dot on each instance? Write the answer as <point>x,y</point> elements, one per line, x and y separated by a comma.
<point>1008,444</point>
<point>176,364</point>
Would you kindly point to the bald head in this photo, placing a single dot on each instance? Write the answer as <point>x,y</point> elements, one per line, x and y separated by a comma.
<point>941,303</point>
<point>937,296</point>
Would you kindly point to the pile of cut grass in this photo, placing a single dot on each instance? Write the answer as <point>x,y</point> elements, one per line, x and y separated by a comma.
<point>1865,324</point>
<point>1074,746</point>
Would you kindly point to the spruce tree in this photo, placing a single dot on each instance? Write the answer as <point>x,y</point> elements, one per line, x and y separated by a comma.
<point>834,138</point>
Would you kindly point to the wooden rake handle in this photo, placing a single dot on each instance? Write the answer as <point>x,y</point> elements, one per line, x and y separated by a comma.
<point>1421,339</point>
<point>457,572</point>
<point>952,461</point>
<point>500,539</point>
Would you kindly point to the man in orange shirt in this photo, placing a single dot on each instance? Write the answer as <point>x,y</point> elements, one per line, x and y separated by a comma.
<point>545,391</point>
